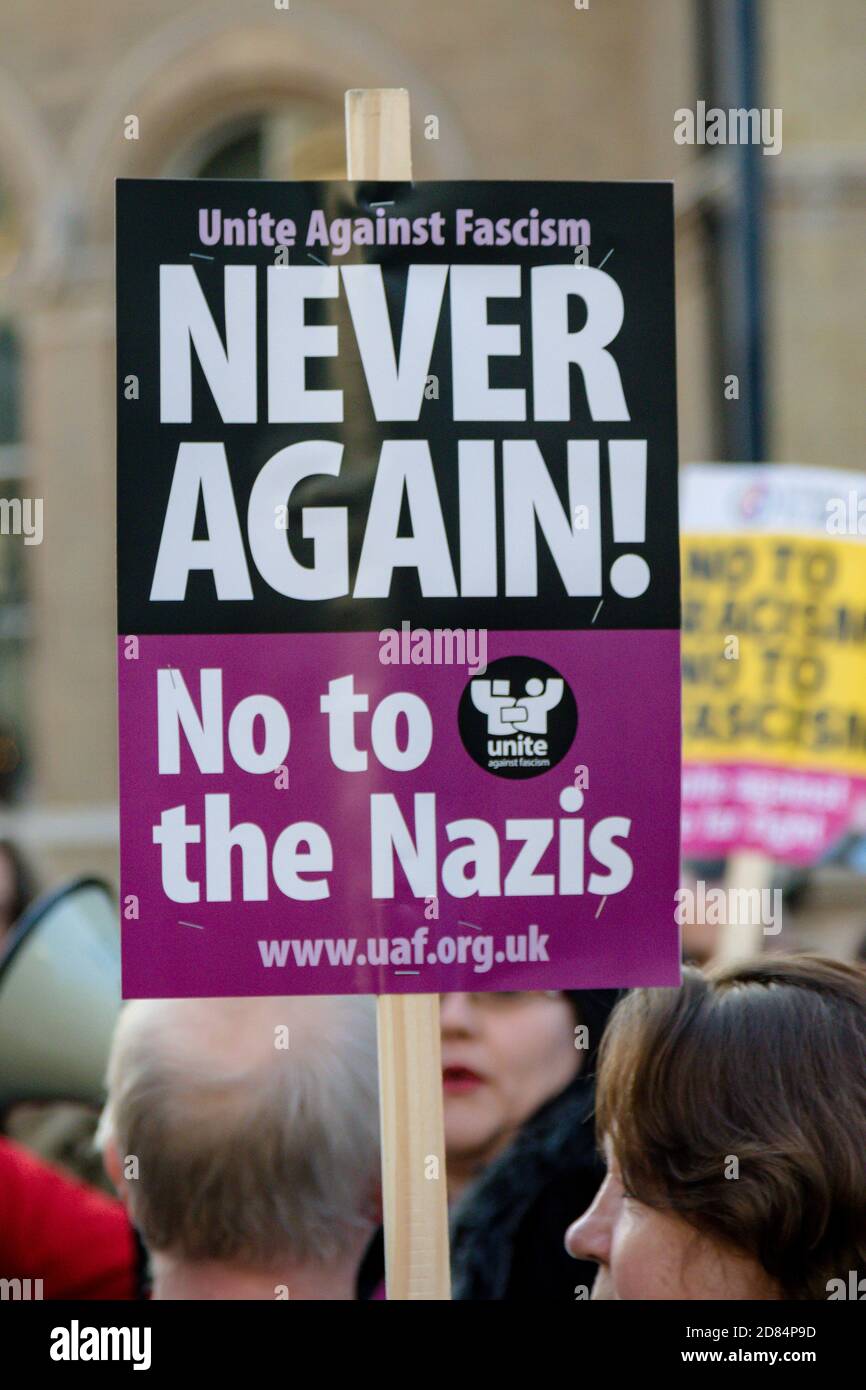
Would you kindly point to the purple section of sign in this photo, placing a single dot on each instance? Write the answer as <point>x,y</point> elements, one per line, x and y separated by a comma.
<point>578,864</point>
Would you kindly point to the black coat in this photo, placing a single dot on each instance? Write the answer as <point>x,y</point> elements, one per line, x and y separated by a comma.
<point>507,1230</point>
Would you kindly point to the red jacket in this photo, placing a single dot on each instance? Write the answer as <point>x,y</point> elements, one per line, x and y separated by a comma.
<point>76,1240</point>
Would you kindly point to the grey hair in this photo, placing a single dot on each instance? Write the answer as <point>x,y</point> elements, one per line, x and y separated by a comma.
<point>247,1154</point>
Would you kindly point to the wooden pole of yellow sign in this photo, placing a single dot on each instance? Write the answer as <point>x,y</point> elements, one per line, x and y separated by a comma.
<point>378,146</point>
<point>746,870</point>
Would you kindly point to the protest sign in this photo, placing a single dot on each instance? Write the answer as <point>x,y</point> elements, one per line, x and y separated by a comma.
<point>774,659</point>
<point>398,586</point>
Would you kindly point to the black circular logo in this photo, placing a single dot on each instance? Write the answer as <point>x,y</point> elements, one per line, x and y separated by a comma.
<point>519,718</point>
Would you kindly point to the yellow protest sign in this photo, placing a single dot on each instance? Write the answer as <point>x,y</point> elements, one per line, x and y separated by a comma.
<point>774,658</point>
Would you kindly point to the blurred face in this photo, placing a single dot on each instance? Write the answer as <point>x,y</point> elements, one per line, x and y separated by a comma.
<point>643,1253</point>
<point>503,1056</point>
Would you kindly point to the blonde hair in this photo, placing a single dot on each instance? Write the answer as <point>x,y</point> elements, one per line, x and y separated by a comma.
<point>247,1153</point>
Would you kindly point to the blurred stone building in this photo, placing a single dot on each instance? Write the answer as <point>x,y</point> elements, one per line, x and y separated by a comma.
<point>539,90</point>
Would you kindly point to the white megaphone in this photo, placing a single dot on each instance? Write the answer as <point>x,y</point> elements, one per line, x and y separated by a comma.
<point>60,996</point>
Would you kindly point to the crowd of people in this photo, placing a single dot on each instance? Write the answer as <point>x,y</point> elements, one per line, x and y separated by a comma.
<point>693,1143</point>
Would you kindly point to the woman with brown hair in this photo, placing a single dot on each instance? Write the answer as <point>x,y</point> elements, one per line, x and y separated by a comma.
<point>733,1117</point>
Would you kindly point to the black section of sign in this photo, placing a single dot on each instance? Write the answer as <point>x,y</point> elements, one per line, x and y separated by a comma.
<point>519,718</point>
<point>632,230</point>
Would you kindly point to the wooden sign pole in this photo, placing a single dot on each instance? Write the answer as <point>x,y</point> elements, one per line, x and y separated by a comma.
<point>744,940</point>
<point>378,146</point>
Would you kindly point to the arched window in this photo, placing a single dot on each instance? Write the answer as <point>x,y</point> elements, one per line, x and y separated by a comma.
<point>300,140</point>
